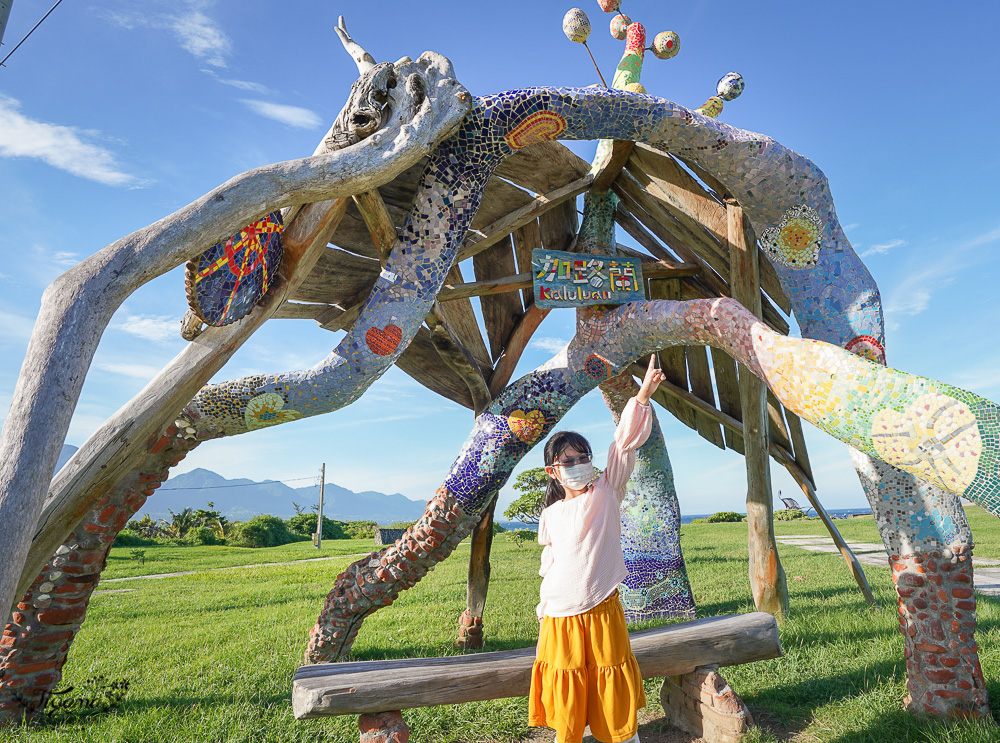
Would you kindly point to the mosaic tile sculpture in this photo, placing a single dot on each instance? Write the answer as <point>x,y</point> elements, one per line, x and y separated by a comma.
<point>657,585</point>
<point>919,443</point>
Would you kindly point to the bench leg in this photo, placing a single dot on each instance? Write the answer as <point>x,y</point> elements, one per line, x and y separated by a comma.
<point>383,727</point>
<point>702,703</point>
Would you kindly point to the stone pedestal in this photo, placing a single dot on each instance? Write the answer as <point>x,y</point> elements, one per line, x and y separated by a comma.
<point>470,632</point>
<point>383,727</point>
<point>703,704</point>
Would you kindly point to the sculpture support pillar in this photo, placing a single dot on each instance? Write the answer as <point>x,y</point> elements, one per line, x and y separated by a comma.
<point>470,626</point>
<point>767,577</point>
<point>40,630</point>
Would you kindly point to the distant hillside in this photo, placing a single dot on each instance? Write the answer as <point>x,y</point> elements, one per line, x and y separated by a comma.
<point>242,499</point>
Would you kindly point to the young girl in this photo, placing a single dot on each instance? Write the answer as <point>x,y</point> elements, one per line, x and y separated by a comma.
<point>584,672</point>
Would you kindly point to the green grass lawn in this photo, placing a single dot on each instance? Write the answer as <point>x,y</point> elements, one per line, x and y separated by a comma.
<point>166,559</point>
<point>209,657</point>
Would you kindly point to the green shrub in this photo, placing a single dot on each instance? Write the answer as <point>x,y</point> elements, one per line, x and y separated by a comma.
<point>497,529</point>
<point>789,514</point>
<point>130,538</point>
<point>305,524</point>
<point>699,521</point>
<point>360,529</point>
<point>201,535</point>
<point>520,536</point>
<point>725,517</point>
<point>263,531</point>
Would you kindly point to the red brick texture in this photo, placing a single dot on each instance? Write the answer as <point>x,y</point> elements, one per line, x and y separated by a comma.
<point>38,635</point>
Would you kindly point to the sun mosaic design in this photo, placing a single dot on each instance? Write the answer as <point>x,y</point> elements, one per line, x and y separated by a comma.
<point>229,279</point>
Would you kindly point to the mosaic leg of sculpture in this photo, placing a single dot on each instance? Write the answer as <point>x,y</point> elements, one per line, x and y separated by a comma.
<point>529,116</point>
<point>657,585</point>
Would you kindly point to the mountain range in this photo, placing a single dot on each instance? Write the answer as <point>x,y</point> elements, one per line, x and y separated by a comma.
<point>241,499</point>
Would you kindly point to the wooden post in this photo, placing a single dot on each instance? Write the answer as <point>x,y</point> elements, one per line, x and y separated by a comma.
<point>470,630</point>
<point>767,578</point>
<point>319,516</point>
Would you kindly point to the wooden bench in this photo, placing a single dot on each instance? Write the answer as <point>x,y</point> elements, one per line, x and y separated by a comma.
<point>368,687</point>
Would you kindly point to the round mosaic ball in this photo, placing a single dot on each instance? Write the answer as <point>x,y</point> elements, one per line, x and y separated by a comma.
<point>619,26</point>
<point>666,44</point>
<point>609,6</point>
<point>636,88</point>
<point>730,86</point>
<point>576,25</point>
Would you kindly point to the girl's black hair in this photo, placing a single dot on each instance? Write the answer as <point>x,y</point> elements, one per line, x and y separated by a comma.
<point>554,447</point>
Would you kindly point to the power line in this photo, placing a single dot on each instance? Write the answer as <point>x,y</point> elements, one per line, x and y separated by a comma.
<point>247,485</point>
<point>28,34</point>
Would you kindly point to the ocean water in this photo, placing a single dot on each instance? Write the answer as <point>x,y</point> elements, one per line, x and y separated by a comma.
<point>837,513</point>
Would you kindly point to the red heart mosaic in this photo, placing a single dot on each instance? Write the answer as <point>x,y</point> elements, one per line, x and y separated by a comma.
<point>383,342</point>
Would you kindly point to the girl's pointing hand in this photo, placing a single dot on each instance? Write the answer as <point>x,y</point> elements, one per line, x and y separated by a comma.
<point>651,381</point>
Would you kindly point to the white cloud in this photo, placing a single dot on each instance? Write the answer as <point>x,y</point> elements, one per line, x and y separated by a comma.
<point>65,258</point>
<point>15,327</point>
<point>295,116</point>
<point>985,239</point>
<point>552,345</point>
<point>883,248</point>
<point>135,371</point>
<point>200,36</point>
<point>247,85</point>
<point>156,328</point>
<point>63,147</point>
<point>852,226</point>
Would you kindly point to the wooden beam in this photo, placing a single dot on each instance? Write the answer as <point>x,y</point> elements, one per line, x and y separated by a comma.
<point>680,192</point>
<point>501,310</point>
<point>767,577</point>
<point>516,344</point>
<point>671,360</point>
<point>422,361</point>
<point>634,218</point>
<point>478,241</point>
<point>700,380</point>
<point>799,444</point>
<point>780,455</point>
<point>376,686</point>
<point>612,166</point>
<point>463,324</point>
<point>650,270</point>
<point>378,222</point>
<point>727,385</point>
<point>526,238</point>
<point>460,359</point>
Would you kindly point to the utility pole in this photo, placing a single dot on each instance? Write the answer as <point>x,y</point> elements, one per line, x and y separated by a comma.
<point>319,516</point>
<point>4,15</point>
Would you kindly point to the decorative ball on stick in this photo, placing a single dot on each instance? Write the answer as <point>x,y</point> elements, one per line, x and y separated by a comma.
<point>576,26</point>
<point>609,6</point>
<point>730,86</point>
<point>666,44</point>
<point>619,26</point>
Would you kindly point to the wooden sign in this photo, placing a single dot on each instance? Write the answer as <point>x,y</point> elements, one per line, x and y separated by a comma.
<point>575,279</point>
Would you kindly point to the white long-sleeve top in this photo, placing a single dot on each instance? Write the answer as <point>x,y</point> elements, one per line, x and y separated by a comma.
<point>582,563</point>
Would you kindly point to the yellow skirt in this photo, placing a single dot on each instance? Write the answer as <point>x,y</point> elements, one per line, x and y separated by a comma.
<point>585,674</point>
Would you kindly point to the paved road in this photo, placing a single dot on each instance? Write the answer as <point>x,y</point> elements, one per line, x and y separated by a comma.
<point>987,570</point>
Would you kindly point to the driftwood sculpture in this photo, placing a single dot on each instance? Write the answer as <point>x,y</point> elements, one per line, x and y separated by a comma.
<point>919,444</point>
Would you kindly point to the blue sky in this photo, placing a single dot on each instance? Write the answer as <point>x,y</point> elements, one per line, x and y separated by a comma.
<point>115,114</point>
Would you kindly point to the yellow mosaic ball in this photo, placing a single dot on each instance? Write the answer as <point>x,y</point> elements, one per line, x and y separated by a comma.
<point>666,44</point>
<point>576,25</point>
<point>636,88</point>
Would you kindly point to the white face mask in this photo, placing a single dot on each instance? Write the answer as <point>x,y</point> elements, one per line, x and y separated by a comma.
<point>578,476</point>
